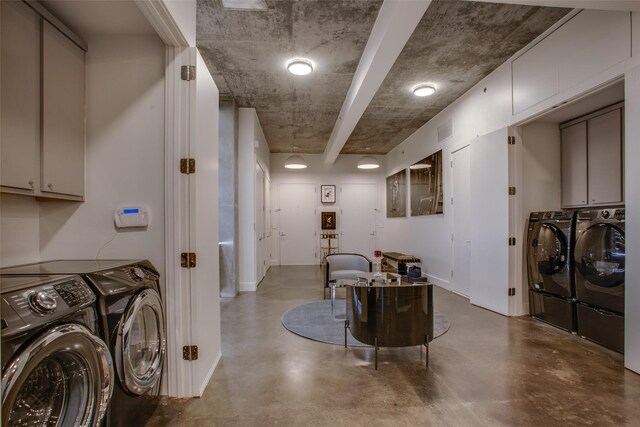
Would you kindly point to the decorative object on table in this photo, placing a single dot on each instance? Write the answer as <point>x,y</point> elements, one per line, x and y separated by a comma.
<point>397,262</point>
<point>328,193</point>
<point>377,263</point>
<point>414,274</point>
<point>425,178</point>
<point>314,321</point>
<point>328,220</point>
<point>397,194</point>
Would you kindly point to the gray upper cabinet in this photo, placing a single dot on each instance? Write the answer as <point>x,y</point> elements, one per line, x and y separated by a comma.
<point>605,158</point>
<point>573,151</point>
<point>63,89</point>
<point>20,109</point>
<point>43,106</point>
<point>592,167</point>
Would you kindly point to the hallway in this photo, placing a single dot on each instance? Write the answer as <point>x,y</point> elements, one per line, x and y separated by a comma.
<point>486,370</point>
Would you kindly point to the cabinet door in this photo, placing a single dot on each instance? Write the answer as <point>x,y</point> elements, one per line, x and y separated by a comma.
<point>20,103</point>
<point>574,165</point>
<point>605,158</point>
<point>63,101</point>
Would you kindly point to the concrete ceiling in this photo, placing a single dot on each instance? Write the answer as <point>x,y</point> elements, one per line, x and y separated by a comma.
<point>455,45</point>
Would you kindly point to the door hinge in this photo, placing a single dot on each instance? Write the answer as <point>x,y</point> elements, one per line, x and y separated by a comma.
<point>512,291</point>
<point>188,72</point>
<point>188,259</point>
<point>188,166</point>
<point>512,191</point>
<point>190,352</point>
<point>511,140</point>
<point>512,241</point>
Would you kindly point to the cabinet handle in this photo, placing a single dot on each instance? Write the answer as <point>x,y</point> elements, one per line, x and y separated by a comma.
<point>50,186</point>
<point>30,183</point>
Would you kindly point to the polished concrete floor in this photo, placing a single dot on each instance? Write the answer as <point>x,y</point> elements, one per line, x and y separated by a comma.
<point>487,370</point>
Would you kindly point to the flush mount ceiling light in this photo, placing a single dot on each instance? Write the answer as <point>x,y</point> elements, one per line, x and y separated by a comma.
<point>420,166</point>
<point>295,162</point>
<point>368,162</point>
<point>424,89</point>
<point>245,4</point>
<point>300,66</point>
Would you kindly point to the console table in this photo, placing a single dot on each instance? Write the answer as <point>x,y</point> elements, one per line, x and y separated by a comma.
<point>386,312</point>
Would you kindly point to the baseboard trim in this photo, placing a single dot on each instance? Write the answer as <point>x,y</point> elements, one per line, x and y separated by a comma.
<point>207,378</point>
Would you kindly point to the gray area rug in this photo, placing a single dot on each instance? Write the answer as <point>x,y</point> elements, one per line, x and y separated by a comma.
<point>314,320</point>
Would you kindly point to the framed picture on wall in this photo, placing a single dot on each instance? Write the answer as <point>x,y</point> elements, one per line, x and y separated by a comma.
<point>426,182</point>
<point>328,220</point>
<point>397,194</point>
<point>328,193</point>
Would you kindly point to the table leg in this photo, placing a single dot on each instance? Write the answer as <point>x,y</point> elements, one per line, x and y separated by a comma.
<point>333,298</point>
<point>375,340</point>
<point>346,326</point>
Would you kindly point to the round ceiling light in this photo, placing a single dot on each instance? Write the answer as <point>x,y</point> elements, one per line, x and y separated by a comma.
<point>424,89</point>
<point>300,66</point>
<point>295,162</point>
<point>420,166</point>
<point>368,162</point>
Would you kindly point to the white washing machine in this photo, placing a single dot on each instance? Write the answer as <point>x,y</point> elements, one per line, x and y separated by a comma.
<point>55,370</point>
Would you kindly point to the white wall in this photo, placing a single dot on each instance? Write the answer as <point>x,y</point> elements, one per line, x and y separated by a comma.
<point>252,148</point>
<point>343,171</point>
<point>19,230</point>
<point>124,156</point>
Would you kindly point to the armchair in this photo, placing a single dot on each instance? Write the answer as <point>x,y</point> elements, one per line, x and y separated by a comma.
<point>344,266</point>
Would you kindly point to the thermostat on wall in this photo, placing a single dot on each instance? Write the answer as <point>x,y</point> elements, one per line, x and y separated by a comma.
<point>132,216</point>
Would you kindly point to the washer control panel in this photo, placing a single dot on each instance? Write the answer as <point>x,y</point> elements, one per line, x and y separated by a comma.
<point>36,300</point>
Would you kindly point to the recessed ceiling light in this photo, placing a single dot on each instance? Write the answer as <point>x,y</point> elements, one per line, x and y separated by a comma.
<point>300,66</point>
<point>424,89</point>
<point>245,4</point>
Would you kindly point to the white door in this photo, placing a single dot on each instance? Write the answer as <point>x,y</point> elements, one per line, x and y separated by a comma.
<point>298,226</point>
<point>461,227</point>
<point>259,221</point>
<point>358,219</point>
<point>204,284</point>
<point>490,222</point>
<point>267,224</point>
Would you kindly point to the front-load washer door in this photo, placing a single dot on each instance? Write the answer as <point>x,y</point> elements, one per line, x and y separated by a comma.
<point>62,378</point>
<point>140,343</point>
<point>599,259</point>
<point>548,260</point>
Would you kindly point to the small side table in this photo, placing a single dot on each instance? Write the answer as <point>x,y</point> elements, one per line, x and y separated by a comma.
<point>340,283</point>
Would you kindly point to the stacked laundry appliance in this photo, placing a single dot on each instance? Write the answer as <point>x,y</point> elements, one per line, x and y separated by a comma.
<point>576,267</point>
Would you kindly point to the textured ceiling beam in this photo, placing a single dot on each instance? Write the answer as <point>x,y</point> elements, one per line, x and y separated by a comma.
<point>621,5</point>
<point>394,25</point>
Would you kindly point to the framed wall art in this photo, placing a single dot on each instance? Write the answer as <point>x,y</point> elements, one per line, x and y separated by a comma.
<point>328,220</point>
<point>425,178</point>
<point>328,193</point>
<point>397,194</point>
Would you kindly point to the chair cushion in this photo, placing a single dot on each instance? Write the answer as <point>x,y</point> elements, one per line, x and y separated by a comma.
<point>344,274</point>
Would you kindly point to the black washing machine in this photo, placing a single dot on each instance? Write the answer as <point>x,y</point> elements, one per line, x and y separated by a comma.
<point>599,258</point>
<point>131,319</point>
<point>55,369</point>
<point>549,268</point>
